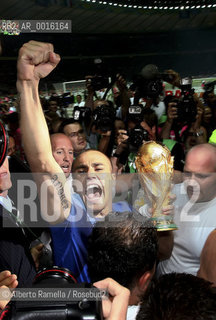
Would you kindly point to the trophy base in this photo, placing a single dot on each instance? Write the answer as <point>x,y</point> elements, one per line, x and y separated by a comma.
<point>164,223</point>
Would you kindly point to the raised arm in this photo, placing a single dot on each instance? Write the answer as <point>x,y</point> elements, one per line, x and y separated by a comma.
<point>35,61</point>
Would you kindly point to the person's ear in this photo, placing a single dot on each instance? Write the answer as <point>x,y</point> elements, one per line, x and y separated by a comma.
<point>144,281</point>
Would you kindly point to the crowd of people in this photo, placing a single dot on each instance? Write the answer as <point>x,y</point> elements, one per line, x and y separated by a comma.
<point>97,220</point>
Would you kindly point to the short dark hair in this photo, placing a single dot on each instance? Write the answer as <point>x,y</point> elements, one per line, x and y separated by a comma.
<point>178,296</point>
<point>66,122</point>
<point>87,151</point>
<point>122,247</point>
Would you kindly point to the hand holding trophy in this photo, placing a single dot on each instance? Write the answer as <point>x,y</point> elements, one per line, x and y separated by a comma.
<point>155,166</point>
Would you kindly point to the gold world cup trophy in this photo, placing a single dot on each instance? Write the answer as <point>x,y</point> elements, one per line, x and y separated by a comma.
<point>155,166</point>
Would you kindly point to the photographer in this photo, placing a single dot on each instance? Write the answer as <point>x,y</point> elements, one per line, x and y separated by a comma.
<point>209,114</point>
<point>195,133</point>
<point>208,121</point>
<point>87,114</point>
<point>184,125</point>
<point>142,126</point>
<point>104,112</point>
<point>122,98</point>
<point>103,124</point>
<point>143,121</point>
<point>147,129</point>
<point>148,85</point>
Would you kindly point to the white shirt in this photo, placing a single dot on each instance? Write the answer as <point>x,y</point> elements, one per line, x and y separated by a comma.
<point>7,203</point>
<point>195,221</point>
<point>132,312</point>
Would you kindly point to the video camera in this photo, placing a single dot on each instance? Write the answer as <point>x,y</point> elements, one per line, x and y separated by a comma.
<point>52,280</point>
<point>100,80</point>
<point>104,117</point>
<point>149,83</point>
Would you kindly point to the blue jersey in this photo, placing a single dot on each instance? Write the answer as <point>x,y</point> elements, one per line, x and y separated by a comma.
<point>70,238</point>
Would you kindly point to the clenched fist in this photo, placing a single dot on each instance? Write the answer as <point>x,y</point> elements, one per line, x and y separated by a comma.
<point>36,60</point>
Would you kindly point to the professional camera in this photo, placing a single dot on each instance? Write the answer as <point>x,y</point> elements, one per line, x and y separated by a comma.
<point>100,79</point>
<point>55,282</point>
<point>99,82</point>
<point>81,113</point>
<point>137,134</point>
<point>186,105</point>
<point>135,113</point>
<point>147,88</point>
<point>149,83</point>
<point>136,137</point>
<point>104,117</point>
<point>3,143</point>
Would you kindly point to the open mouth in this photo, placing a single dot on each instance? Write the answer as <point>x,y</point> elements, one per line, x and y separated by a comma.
<point>93,192</point>
<point>65,168</point>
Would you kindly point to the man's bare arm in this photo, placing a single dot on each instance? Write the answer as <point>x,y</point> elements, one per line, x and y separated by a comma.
<point>207,268</point>
<point>35,61</point>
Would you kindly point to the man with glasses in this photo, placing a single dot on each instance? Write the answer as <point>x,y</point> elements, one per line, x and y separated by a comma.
<point>74,130</point>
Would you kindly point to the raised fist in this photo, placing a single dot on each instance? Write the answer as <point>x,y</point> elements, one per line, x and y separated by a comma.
<point>36,60</point>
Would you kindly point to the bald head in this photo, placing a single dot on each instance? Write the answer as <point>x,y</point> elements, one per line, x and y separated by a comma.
<point>200,173</point>
<point>62,151</point>
<point>55,138</point>
<point>202,157</point>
